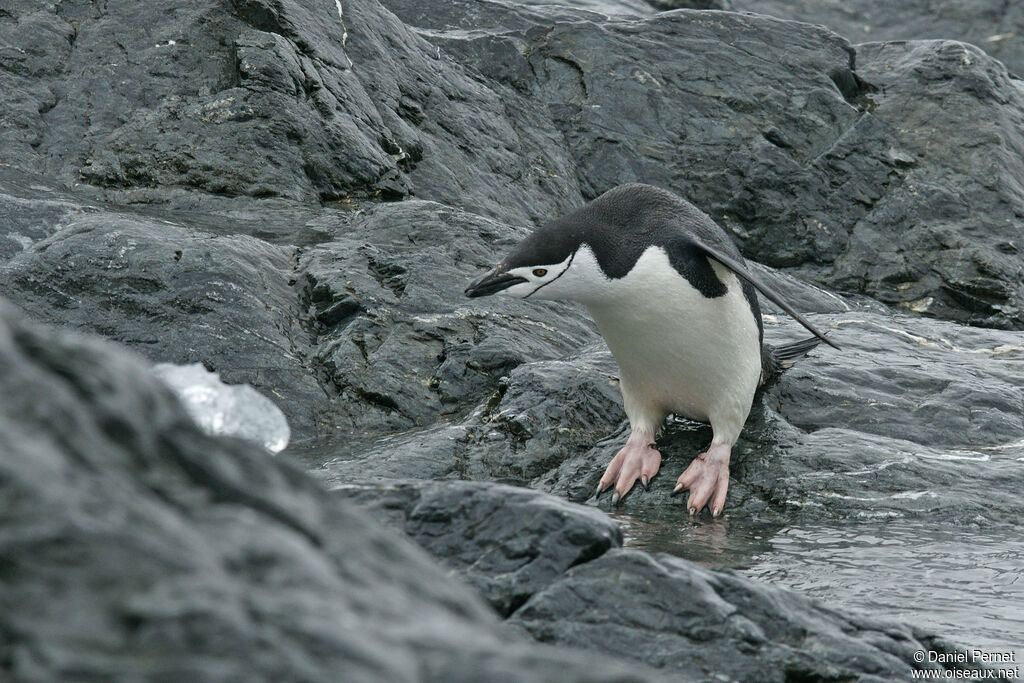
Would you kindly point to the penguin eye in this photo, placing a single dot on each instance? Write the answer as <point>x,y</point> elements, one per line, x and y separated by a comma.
<point>540,272</point>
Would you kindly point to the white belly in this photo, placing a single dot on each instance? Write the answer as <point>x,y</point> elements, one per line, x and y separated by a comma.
<point>678,351</point>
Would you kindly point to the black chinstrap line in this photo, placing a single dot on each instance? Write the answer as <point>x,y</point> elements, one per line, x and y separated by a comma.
<point>564,271</point>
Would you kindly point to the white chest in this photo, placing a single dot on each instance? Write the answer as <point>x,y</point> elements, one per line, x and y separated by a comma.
<point>679,351</point>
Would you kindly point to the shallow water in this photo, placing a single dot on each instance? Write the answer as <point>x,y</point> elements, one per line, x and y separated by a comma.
<point>963,583</point>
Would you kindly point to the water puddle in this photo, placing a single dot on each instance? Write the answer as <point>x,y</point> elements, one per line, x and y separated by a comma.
<point>963,583</point>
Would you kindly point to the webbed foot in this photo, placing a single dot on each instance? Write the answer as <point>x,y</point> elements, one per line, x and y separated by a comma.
<point>638,459</point>
<point>707,477</point>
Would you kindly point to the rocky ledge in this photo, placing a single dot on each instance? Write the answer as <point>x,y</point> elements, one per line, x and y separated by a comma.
<point>294,194</point>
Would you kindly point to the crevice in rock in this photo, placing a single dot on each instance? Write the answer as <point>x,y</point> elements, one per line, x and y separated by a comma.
<point>576,69</point>
<point>852,87</point>
<point>258,16</point>
<point>379,400</point>
<point>390,275</point>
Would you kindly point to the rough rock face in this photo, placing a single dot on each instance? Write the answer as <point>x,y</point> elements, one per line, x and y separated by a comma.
<point>992,25</point>
<point>701,618</point>
<point>825,162</point>
<point>299,99</point>
<point>563,562</point>
<point>507,541</point>
<point>395,335</point>
<point>183,295</point>
<point>135,547</point>
<point>295,194</point>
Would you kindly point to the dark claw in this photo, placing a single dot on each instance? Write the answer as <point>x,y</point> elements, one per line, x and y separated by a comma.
<point>615,497</point>
<point>677,489</point>
<point>597,493</point>
<point>646,482</point>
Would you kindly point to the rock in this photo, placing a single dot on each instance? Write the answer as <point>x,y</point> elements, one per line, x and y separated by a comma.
<point>136,547</point>
<point>708,625</point>
<point>926,245</point>
<point>605,7</point>
<point>851,172</point>
<point>178,295</point>
<point>266,99</point>
<point>507,542</point>
<point>991,25</point>
<point>397,338</point>
<point>556,570</point>
<point>33,208</point>
<point>666,5</point>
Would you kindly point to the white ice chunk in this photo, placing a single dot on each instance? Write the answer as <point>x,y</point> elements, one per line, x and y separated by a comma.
<point>229,409</point>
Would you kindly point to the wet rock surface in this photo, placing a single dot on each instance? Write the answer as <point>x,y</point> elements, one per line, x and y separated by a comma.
<point>508,542</point>
<point>825,163</point>
<point>137,548</point>
<point>178,294</point>
<point>301,100</point>
<point>295,194</point>
<point>395,336</point>
<point>689,619</point>
<point>992,25</point>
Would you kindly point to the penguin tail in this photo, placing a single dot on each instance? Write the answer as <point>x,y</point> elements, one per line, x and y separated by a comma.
<point>776,359</point>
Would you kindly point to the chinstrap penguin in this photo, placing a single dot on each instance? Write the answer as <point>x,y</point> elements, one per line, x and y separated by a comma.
<point>676,305</point>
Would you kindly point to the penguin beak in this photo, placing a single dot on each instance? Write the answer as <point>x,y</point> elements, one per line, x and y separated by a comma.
<point>491,283</point>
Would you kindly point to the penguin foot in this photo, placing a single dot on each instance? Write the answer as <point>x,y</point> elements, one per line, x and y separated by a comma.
<point>707,477</point>
<point>638,459</point>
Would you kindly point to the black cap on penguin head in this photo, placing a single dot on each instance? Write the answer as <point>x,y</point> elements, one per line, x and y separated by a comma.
<point>548,245</point>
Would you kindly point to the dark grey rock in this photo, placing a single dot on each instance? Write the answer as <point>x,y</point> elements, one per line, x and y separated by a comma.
<point>941,242</point>
<point>517,439</point>
<point>831,159</point>
<point>221,183</point>
<point>178,295</point>
<point>137,548</point>
<point>992,25</point>
<point>293,99</point>
<point>395,335</point>
<point>603,7</point>
<point>32,208</point>
<point>562,560</point>
<point>666,5</point>
<point>707,625</point>
<point>507,542</point>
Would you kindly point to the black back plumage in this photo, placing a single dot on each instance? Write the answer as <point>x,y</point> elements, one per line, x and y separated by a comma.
<point>622,223</point>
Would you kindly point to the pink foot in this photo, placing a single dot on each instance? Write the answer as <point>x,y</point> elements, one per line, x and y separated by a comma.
<point>708,474</point>
<point>638,459</point>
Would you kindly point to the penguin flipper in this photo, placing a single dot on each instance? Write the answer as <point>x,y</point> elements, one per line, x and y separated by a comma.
<point>741,271</point>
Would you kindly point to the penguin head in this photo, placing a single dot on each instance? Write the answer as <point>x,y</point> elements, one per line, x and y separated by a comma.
<point>581,255</point>
<point>548,264</point>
